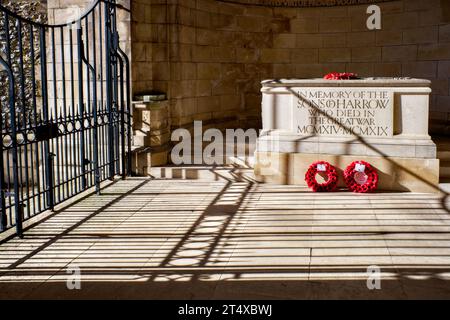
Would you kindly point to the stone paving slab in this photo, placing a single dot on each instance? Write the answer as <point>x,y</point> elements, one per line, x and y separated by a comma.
<point>180,239</point>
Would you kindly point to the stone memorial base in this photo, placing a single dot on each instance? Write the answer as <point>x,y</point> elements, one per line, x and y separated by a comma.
<point>380,121</point>
<point>396,173</point>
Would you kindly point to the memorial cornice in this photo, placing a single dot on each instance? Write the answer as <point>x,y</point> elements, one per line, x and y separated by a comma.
<point>304,3</point>
<point>364,82</point>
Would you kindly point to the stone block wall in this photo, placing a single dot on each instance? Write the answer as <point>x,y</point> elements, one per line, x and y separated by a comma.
<point>147,38</point>
<point>210,56</point>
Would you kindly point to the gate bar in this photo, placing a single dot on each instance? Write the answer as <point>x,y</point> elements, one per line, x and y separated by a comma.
<point>109,88</point>
<point>81,105</point>
<point>49,168</point>
<point>95,127</point>
<point>128,97</point>
<point>17,205</point>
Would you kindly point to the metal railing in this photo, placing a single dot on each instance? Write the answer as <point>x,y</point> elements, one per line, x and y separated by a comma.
<point>65,118</point>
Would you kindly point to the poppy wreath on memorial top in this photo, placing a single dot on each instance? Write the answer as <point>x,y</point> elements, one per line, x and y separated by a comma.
<point>341,76</point>
<point>326,169</point>
<point>361,177</point>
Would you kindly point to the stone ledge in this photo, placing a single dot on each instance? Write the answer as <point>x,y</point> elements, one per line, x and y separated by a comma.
<point>151,105</point>
<point>202,173</point>
<point>396,147</point>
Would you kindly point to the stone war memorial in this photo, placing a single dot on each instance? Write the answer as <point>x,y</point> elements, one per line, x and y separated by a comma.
<point>380,120</point>
<point>254,150</point>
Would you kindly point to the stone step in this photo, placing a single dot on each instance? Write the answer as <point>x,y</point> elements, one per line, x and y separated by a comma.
<point>443,146</point>
<point>443,155</point>
<point>445,169</point>
<point>442,143</point>
<point>245,162</point>
<point>203,173</point>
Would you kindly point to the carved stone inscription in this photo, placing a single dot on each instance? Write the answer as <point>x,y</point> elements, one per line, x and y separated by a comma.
<point>343,112</point>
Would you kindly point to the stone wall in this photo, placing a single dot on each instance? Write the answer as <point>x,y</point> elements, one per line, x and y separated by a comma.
<point>210,56</point>
<point>149,45</point>
<point>62,11</point>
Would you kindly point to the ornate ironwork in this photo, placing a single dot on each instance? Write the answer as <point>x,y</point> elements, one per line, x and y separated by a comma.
<point>75,132</point>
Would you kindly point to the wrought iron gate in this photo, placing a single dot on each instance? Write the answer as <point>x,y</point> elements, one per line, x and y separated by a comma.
<point>65,117</point>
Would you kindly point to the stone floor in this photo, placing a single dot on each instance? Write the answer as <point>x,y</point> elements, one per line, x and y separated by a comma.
<point>181,239</point>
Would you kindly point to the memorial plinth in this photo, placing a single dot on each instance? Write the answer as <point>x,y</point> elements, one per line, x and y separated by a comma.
<point>383,121</point>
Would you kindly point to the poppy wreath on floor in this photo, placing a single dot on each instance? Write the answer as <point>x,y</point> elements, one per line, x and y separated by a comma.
<point>328,170</point>
<point>361,177</point>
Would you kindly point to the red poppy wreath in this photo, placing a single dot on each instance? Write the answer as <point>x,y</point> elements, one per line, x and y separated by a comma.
<point>361,177</point>
<point>327,170</point>
<point>341,76</point>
